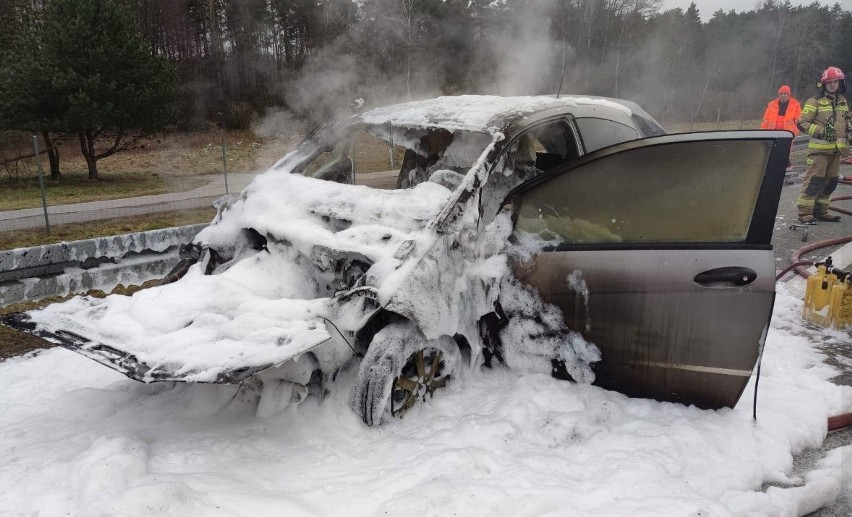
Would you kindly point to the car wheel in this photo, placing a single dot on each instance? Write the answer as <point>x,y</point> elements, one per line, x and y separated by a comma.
<point>401,368</point>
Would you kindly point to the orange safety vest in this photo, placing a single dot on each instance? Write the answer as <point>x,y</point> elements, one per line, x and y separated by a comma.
<point>787,122</point>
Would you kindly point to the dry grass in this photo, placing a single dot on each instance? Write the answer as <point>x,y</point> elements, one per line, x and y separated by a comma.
<point>730,125</point>
<point>169,162</point>
<point>77,188</point>
<point>14,343</point>
<point>105,227</point>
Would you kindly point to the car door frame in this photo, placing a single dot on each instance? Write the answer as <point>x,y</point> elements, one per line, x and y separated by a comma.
<point>757,240</point>
<point>519,129</point>
<point>767,203</point>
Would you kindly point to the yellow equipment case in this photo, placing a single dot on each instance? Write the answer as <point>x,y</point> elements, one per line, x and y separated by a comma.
<point>828,297</point>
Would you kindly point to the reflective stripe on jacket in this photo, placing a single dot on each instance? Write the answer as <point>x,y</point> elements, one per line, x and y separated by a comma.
<point>816,112</point>
<point>794,110</point>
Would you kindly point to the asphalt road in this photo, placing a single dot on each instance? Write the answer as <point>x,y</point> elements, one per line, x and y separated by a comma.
<point>786,242</point>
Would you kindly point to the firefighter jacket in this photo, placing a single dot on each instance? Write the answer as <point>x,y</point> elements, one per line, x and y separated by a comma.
<point>826,120</point>
<point>787,121</point>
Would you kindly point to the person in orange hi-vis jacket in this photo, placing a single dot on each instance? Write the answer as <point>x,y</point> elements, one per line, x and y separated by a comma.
<point>782,113</point>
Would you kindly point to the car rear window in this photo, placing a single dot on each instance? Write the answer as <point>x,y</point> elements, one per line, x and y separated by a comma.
<point>598,133</point>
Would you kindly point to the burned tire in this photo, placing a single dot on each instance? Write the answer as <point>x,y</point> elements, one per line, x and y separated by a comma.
<point>401,368</point>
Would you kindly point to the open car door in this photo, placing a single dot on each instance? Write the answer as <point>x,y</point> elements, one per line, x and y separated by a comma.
<point>659,253</point>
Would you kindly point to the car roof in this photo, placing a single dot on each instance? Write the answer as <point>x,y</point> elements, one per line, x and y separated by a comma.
<point>489,113</point>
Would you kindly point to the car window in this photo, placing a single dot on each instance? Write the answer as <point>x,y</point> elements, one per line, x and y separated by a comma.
<point>554,144</point>
<point>680,192</point>
<point>647,127</point>
<point>598,133</point>
<point>376,162</point>
<point>331,163</point>
<point>538,150</point>
<point>389,158</point>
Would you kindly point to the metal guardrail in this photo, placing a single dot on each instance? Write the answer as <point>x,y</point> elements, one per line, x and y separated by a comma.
<point>103,263</point>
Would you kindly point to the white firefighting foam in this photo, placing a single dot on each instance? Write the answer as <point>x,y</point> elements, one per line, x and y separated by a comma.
<point>265,306</point>
<point>79,439</point>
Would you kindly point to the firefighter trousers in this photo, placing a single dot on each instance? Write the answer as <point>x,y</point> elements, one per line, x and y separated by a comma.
<point>821,178</point>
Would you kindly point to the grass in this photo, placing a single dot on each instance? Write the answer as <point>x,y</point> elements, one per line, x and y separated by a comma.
<point>14,343</point>
<point>105,227</point>
<point>77,188</point>
<point>729,125</point>
<point>169,162</point>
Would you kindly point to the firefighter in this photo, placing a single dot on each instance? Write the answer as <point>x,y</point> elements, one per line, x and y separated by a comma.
<point>825,118</point>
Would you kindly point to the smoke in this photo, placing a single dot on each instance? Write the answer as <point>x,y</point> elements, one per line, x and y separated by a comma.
<point>326,85</point>
<point>677,68</point>
<point>525,55</point>
<point>278,123</point>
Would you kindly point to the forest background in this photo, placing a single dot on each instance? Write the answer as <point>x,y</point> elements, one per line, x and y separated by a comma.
<point>191,88</point>
<point>119,71</point>
<point>237,60</point>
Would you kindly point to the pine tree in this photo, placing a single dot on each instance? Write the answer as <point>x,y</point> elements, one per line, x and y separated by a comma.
<point>25,100</point>
<point>103,80</point>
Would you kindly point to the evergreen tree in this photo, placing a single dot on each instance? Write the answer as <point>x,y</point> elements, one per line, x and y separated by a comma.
<point>26,103</point>
<point>103,80</point>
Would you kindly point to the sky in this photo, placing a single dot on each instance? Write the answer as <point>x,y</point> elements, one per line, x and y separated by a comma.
<point>707,7</point>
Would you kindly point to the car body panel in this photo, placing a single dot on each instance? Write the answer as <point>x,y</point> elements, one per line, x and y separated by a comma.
<point>675,320</point>
<point>661,335</point>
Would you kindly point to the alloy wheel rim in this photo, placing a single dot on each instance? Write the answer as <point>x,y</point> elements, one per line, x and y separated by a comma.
<point>421,375</point>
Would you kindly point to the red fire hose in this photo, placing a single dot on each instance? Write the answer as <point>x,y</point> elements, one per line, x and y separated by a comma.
<point>840,198</point>
<point>799,264</point>
<point>836,423</point>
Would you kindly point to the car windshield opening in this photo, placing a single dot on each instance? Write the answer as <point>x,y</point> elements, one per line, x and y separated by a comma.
<point>379,156</point>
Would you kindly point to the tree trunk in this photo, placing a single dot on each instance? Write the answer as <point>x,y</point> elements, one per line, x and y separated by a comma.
<point>618,55</point>
<point>590,11</point>
<point>52,155</point>
<point>700,102</point>
<point>408,67</point>
<point>410,35</point>
<point>775,51</point>
<point>87,147</point>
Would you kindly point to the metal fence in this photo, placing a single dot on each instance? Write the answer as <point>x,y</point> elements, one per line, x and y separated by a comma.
<point>221,167</point>
<point>184,191</point>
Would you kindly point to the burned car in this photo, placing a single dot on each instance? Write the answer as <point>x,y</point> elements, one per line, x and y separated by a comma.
<point>568,236</point>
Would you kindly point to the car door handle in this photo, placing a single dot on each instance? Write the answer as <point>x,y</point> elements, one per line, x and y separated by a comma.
<point>731,276</point>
